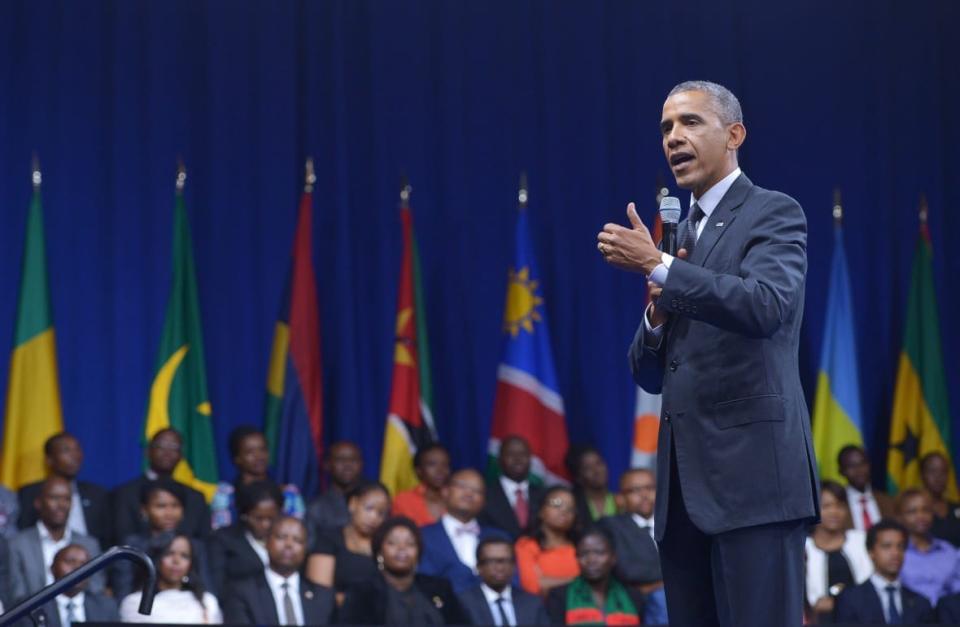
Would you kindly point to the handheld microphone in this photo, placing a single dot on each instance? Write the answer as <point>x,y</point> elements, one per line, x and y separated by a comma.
<point>669,217</point>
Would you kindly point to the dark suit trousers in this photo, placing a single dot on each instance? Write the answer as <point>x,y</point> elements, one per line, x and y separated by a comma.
<point>749,577</point>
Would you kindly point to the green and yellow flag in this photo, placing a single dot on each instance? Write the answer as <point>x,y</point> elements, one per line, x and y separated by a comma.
<point>921,414</point>
<point>33,394</point>
<point>178,395</point>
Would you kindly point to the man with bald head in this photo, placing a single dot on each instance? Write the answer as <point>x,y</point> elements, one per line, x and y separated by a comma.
<point>450,544</point>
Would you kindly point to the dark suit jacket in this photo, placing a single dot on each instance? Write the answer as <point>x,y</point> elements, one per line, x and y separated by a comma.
<point>96,509</point>
<point>366,603</point>
<point>97,607</point>
<point>733,408</point>
<point>556,604</point>
<point>231,558</point>
<point>638,560</point>
<point>527,608</point>
<point>250,602</point>
<point>440,559</point>
<point>128,520</point>
<point>27,571</point>
<point>948,609</point>
<point>498,513</point>
<point>861,605</point>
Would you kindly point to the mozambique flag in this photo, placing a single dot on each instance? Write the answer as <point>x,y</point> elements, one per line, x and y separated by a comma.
<point>837,421</point>
<point>921,416</point>
<point>178,395</point>
<point>410,418</point>
<point>294,404</point>
<point>33,392</point>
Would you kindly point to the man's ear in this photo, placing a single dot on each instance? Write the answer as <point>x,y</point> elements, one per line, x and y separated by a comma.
<point>619,500</point>
<point>736,134</point>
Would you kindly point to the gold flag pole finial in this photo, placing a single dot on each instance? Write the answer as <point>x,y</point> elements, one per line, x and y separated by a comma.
<point>524,192</point>
<point>924,209</point>
<point>181,175</point>
<point>837,207</point>
<point>310,177</point>
<point>35,170</point>
<point>405,190</point>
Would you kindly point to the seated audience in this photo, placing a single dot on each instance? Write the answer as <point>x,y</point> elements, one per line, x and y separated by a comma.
<point>935,474</point>
<point>547,558</point>
<point>883,599</point>
<point>89,511</point>
<point>398,595</point>
<point>163,454</point>
<point>343,556</point>
<point>240,550</point>
<point>180,595</point>
<point>424,504</point>
<point>344,465</point>
<point>931,566</point>
<point>279,595</point>
<point>638,559</point>
<point>9,512</point>
<point>589,472</point>
<point>450,545</point>
<point>495,601</point>
<point>251,457</point>
<point>596,596</point>
<point>512,496</point>
<point>836,555</point>
<point>76,605</point>
<point>49,534</point>
<point>867,506</point>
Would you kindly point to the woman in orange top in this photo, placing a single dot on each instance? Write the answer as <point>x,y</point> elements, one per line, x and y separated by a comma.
<point>548,558</point>
<point>424,504</point>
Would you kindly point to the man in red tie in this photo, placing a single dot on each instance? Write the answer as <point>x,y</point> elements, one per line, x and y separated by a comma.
<point>513,495</point>
<point>867,506</point>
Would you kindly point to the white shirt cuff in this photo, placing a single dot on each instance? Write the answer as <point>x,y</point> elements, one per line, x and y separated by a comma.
<point>659,274</point>
<point>654,334</point>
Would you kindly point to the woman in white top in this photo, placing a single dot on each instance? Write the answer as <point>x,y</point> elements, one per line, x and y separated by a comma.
<point>836,554</point>
<point>180,597</point>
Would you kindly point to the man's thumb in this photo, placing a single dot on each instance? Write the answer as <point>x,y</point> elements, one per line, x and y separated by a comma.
<point>633,217</point>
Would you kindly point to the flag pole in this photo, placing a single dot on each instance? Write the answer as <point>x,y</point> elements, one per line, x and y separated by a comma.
<point>35,171</point>
<point>309,176</point>
<point>924,209</point>
<point>837,207</point>
<point>181,176</point>
<point>523,192</point>
<point>405,190</point>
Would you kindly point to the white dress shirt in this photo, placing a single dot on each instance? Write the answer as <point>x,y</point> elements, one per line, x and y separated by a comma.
<point>276,582</point>
<point>76,520</point>
<point>463,538</point>
<point>173,606</point>
<point>491,596</point>
<point>854,497</point>
<point>49,546</point>
<point>79,612</point>
<point>258,548</point>
<point>510,488</point>
<point>880,584</point>
<point>645,523</point>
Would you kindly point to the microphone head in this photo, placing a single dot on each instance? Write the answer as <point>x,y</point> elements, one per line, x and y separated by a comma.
<point>670,210</point>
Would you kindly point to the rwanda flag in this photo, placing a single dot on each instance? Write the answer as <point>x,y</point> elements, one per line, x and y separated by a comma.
<point>33,392</point>
<point>178,395</point>
<point>294,405</point>
<point>528,401</point>
<point>837,421</point>
<point>921,414</point>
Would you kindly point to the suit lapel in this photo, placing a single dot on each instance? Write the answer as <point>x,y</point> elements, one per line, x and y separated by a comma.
<point>486,616</point>
<point>266,603</point>
<point>312,603</point>
<point>720,220</point>
<point>37,570</point>
<point>876,607</point>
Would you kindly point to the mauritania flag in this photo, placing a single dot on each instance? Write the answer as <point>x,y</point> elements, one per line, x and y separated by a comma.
<point>178,395</point>
<point>294,403</point>
<point>646,415</point>
<point>837,421</point>
<point>921,415</point>
<point>33,392</point>
<point>528,401</point>
<point>410,417</point>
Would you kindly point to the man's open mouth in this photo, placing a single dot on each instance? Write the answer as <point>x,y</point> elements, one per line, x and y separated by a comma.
<point>680,158</point>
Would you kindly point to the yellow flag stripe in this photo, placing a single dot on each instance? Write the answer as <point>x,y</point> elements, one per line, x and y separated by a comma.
<point>832,429</point>
<point>278,359</point>
<point>396,466</point>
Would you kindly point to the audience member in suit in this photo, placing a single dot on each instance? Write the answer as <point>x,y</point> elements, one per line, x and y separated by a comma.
<point>6,591</point>
<point>931,566</point>
<point>495,601</point>
<point>9,513</point>
<point>547,557</point>
<point>867,506</point>
<point>240,550</point>
<point>596,596</point>
<point>935,474</point>
<point>164,453</point>
<point>512,497</point>
<point>90,511</point>
<point>32,550</point>
<point>76,605</point>
<point>638,560</point>
<point>398,595</point>
<point>836,555</point>
<point>948,609</point>
<point>425,503</point>
<point>180,594</point>
<point>344,466</point>
<point>883,599</point>
<point>343,556</point>
<point>589,472</point>
<point>279,595</point>
<point>450,545</point>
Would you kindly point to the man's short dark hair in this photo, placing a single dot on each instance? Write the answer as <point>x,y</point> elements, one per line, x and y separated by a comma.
<point>849,448</point>
<point>885,524</point>
<point>249,495</point>
<point>575,455</point>
<point>490,542</point>
<point>52,441</point>
<point>726,105</point>
<point>163,484</point>
<point>426,448</point>
<point>238,435</point>
<point>926,459</point>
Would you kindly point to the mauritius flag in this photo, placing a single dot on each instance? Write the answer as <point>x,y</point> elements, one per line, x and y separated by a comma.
<point>293,409</point>
<point>528,401</point>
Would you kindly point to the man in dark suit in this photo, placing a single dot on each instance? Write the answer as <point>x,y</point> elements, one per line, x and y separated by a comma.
<point>511,498</point>
<point>163,454</point>
<point>344,465</point>
<point>90,512</point>
<point>495,601</point>
<point>882,599</point>
<point>450,544</point>
<point>279,595</point>
<point>77,604</point>
<point>867,506</point>
<point>736,478</point>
